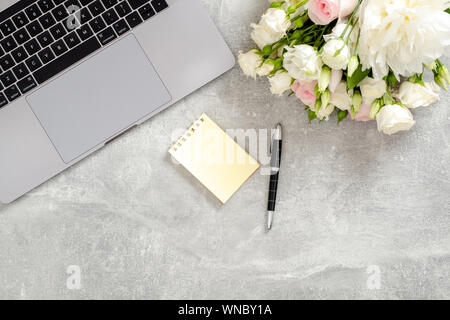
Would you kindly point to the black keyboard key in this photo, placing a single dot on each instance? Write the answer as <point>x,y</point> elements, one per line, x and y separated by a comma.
<point>7,27</point>
<point>32,46</point>
<point>20,71</point>
<point>33,12</point>
<point>2,52</point>
<point>26,84</point>
<point>72,39</point>
<point>85,2</point>
<point>110,16</point>
<point>96,8</point>
<point>6,62</point>
<point>60,13</point>
<point>159,5</point>
<point>123,9</point>
<point>109,3</point>
<point>146,12</point>
<point>106,36</point>
<point>59,47</point>
<point>21,36</point>
<point>3,100</point>
<point>34,28</point>
<point>45,39</point>
<point>121,27</point>
<point>46,5</point>
<point>12,93</point>
<point>137,3</point>
<point>97,24</point>
<point>7,78</point>
<point>84,32</point>
<point>19,54</point>
<point>47,20</point>
<point>66,60</point>
<point>134,19</point>
<point>58,31</point>
<point>20,20</point>
<point>33,63</point>
<point>46,55</point>
<point>8,44</point>
<point>84,16</point>
<point>58,2</point>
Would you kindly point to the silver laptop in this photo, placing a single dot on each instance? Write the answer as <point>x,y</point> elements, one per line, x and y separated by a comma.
<point>76,74</point>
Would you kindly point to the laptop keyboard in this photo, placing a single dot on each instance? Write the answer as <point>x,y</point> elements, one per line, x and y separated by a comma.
<point>41,38</point>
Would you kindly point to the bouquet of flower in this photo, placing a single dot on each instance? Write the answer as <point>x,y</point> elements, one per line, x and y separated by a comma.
<point>364,59</point>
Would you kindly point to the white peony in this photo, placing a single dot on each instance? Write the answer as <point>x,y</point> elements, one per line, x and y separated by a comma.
<point>325,112</point>
<point>394,118</point>
<point>272,27</point>
<point>414,95</point>
<point>266,68</point>
<point>280,82</point>
<point>336,54</point>
<point>372,89</point>
<point>250,62</point>
<point>402,35</point>
<point>303,63</point>
<point>341,98</point>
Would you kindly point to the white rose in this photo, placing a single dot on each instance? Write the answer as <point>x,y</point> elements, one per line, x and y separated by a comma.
<point>250,62</point>
<point>336,54</point>
<point>372,89</point>
<point>303,63</point>
<point>280,82</point>
<point>272,27</point>
<point>394,118</point>
<point>414,95</point>
<point>325,112</point>
<point>340,98</point>
<point>265,69</point>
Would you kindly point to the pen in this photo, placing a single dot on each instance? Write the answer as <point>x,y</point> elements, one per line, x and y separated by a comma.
<point>275,161</point>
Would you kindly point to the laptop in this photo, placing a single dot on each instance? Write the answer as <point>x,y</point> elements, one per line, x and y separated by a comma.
<point>76,74</point>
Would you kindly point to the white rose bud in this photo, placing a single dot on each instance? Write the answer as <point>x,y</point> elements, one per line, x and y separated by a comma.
<point>303,63</point>
<point>325,98</point>
<point>336,54</point>
<point>325,79</point>
<point>272,27</point>
<point>325,112</point>
<point>415,95</point>
<point>356,101</point>
<point>352,65</point>
<point>280,82</point>
<point>250,62</point>
<point>394,118</point>
<point>372,89</point>
<point>266,68</point>
<point>340,98</point>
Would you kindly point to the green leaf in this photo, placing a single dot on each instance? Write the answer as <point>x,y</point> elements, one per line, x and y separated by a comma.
<point>311,116</point>
<point>342,115</point>
<point>448,10</point>
<point>357,77</point>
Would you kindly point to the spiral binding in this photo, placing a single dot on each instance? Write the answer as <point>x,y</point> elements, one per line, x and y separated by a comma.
<point>189,132</point>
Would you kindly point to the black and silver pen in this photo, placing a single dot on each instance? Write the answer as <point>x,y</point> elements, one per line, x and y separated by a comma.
<point>275,162</point>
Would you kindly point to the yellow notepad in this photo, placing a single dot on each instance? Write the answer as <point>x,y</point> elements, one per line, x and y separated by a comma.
<point>214,158</point>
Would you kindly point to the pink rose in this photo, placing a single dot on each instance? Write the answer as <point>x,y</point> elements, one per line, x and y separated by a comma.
<point>305,92</point>
<point>363,114</point>
<point>323,12</point>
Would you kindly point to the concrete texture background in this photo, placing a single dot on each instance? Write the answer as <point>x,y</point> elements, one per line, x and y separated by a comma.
<point>140,227</point>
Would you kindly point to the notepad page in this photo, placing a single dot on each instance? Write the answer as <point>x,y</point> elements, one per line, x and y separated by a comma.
<point>214,158</point>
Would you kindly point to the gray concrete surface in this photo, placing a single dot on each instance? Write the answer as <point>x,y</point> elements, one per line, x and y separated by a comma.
<point>352,201</point>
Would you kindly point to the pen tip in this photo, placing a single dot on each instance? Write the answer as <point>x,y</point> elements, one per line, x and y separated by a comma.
<point>269,220</point>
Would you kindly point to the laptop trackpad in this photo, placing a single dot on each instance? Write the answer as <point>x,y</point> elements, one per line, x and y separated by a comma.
<point>91,103</point>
